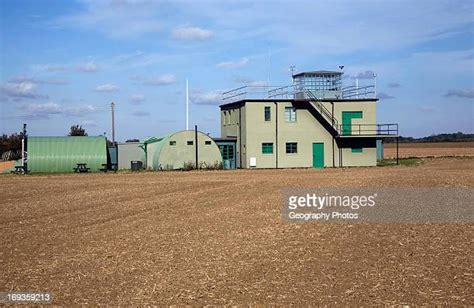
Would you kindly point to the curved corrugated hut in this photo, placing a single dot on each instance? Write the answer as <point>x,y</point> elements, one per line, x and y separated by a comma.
<point>61,154</point>
<point>177,150</point>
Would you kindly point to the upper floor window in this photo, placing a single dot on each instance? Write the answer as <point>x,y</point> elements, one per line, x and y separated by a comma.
<point>267,114</point>
<point>172,142</point>
<point>208,142</point>
<point>190,142</point>
<point>290,114</point>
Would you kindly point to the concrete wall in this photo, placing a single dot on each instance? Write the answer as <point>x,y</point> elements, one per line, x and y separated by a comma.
<point>305,131</point>
<point>128,152</point>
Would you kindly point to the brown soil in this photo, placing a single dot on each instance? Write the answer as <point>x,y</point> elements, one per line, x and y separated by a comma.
<point>217,238</point>
<point>432,149</point>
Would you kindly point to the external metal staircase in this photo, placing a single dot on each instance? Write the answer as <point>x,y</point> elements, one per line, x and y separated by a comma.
<point>323,111</point>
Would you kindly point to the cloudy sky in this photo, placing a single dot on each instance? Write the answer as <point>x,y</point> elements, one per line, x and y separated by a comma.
<point>63,62</point>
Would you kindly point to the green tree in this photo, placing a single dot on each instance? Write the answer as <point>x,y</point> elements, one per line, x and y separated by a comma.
<point>77,130</point>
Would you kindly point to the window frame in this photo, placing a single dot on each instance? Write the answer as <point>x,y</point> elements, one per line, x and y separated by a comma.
<point>287,144</point>
<point>266,146</point>
<point>289,118</point>
<point>267,111</point>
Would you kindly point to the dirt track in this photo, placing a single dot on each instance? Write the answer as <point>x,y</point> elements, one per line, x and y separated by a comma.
<point>217,238</point>
<point>429,149</point>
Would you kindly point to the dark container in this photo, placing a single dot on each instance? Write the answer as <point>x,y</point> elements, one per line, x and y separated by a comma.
<point>136,165</point>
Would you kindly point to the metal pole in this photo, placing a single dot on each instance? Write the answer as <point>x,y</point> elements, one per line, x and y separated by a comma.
<point>357,87</point>
<point>24,153</point>
<point>112,106</point>
<point>196,147</point>
<point>375,85</point>
<point>187,105</point>
<point>397,150</point>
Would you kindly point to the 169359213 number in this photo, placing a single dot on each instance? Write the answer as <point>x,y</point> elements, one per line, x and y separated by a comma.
<point>25,297</point>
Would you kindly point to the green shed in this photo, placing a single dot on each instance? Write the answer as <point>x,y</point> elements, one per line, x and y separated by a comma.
<point>61,154</point>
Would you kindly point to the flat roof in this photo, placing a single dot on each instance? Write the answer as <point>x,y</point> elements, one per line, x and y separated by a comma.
<point>322,72</point>
<point>292,100</point>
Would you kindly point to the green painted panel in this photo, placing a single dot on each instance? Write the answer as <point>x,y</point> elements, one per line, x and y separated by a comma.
<point>356,150</point>
<point>318,155</point>
<point>61,154</point>
<point>347,117</point>
<point>267,148</point>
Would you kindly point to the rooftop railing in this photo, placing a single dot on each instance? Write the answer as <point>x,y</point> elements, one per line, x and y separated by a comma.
<point>293,92</point>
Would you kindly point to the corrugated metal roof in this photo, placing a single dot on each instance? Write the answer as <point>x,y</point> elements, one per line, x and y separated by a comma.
<point>61,154</point>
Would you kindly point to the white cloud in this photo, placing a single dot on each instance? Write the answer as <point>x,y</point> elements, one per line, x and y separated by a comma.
<point>23,79</point>
<point>191,34</point>
<point>206,98</point>
<point>107,88</point>
<point>251,82</point>
<point>233,64</point>
<point>44,110</point>
<point>383,95</point>
<point>464,93</point>
<point>140,113</point>
<point>162,80</point>
<point>364,75</point>
<point>89,67</point>
<point>52,67</point>
<point>20,90</point>
<point>137,99</point>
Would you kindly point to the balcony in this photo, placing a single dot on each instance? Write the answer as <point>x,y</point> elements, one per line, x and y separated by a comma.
<point>367,130</point>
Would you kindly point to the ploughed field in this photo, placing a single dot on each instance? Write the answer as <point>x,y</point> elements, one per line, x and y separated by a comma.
<point>429,149</point>
<point>217,238</point>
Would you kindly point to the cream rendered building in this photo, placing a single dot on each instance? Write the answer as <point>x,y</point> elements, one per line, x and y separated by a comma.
<point>299,129</point>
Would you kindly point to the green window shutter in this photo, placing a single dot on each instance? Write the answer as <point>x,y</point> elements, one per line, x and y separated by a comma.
<point>356,150</point>
<point>267,148</point>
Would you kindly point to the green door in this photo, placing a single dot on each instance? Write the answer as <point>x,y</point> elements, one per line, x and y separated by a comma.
<point>318,155</point>
<point>347,117</point>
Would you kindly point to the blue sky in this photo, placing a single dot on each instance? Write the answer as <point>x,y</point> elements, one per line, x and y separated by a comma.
<point>64,62</point>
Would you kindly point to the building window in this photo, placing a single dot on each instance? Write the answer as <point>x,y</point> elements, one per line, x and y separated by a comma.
<point>208,142</point>
<point>267,114</point>
<point>291,148</point>
<point>190,142</point>
<point>267,148</point>
<point>225,117</point>
<point>290,114</point>
<point>356,150</point>
<point>172,142</point>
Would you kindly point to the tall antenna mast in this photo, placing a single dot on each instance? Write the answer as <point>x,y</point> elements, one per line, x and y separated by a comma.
<point>187,104</point>
<point>112,106</point>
